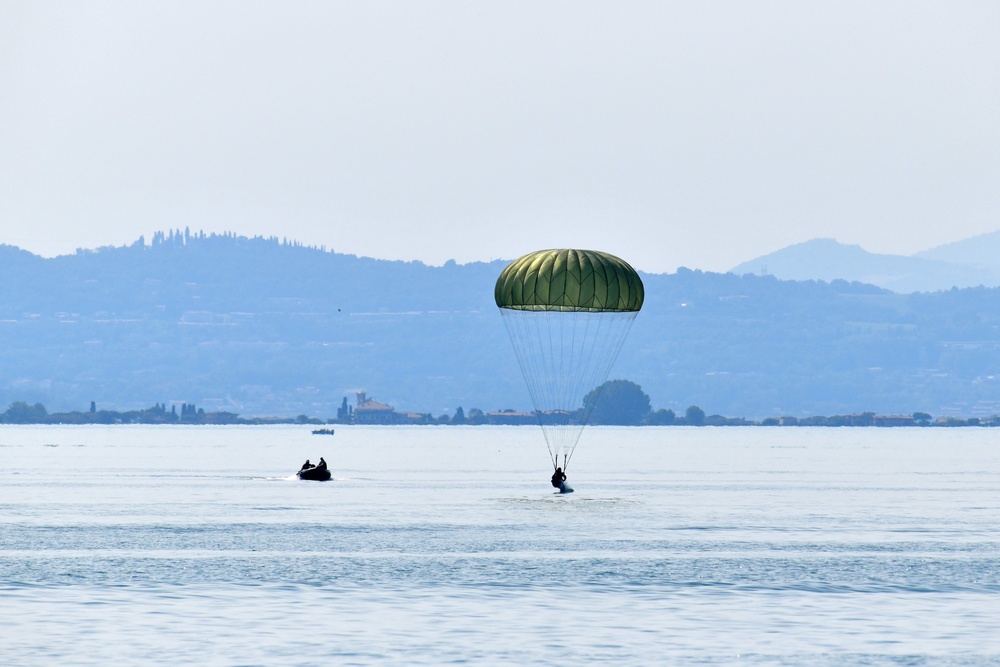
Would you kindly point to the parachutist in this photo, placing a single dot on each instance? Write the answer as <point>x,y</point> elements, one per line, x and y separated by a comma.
<point>567,312</point>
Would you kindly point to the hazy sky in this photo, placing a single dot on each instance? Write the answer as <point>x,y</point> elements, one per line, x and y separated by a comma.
<point>695,133</point>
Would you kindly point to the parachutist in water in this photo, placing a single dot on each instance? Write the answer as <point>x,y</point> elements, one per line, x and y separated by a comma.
<point>567,312</point>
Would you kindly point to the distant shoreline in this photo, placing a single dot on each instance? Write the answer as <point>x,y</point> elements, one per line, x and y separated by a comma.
<point>22,413</point>
<point>950,423</point>
<point>251,422</point>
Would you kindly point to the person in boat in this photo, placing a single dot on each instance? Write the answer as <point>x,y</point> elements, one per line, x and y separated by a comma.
<point>322,464</point>
<point>558,478</point>
<point>307,465</point>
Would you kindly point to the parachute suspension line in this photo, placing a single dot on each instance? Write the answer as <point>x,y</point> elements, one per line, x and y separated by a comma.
<point>553,382</point>
<point>607,349</point>
<point>524,337</point>
<point>605,345</point>
<point>546,391</point>
<point>583,359</point>
<point>567,426</point>
<point>531,344</point>
<point>564,356</point>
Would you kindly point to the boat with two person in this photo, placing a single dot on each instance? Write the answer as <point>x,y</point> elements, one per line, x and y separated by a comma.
<point>318,472</point>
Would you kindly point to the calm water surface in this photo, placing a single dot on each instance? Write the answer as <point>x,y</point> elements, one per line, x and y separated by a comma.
<point>438,545</point>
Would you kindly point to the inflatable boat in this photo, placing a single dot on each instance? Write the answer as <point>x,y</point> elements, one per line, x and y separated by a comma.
<point>316,474</point>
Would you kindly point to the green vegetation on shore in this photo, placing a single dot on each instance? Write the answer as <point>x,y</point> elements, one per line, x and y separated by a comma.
<point>620,410</point>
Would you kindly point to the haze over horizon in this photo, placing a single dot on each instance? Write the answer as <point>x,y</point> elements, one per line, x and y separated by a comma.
<point>671,134</point>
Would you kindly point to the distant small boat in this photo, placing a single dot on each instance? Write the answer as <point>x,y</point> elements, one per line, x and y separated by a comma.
<point>323,431</point>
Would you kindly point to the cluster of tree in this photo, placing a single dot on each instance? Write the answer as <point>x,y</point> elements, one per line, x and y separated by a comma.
<point>21,412</point>
<point>616,402</point>
<point>624,403</point>
<point>872,419</point>
<point>476,417</point>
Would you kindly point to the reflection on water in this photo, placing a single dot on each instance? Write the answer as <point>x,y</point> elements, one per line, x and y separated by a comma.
<point>172,545</point>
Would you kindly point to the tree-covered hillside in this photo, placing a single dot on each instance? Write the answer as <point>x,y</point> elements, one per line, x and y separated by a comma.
<point>265,327</point>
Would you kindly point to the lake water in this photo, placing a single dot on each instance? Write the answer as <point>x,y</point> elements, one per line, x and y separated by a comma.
<point>138,545</point>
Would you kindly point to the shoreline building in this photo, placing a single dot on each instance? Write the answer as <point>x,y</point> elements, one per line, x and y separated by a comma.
<point>370,412</point>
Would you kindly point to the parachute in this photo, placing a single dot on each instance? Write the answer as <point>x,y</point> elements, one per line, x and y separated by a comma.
<point>568,313</point>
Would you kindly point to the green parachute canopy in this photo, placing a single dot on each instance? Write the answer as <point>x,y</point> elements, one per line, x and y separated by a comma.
<point>569,280</point>
<point>568,313</point>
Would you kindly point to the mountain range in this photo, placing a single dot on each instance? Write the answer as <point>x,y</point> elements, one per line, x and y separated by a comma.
<point>263,327</point>
<point>968,263</point>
